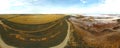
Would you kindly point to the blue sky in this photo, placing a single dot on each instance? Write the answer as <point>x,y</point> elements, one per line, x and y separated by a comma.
<point>60,6</point>
<point>64,3</point>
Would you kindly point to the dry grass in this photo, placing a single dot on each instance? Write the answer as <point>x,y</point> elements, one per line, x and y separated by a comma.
<point>32,18</point>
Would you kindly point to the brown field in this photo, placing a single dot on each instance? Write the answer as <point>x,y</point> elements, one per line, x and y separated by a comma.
<point>107,39</point>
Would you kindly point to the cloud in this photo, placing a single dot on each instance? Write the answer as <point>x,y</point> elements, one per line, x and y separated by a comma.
<point>109,6</point>
<point>4,4</point>
<point>83,1</point>
<point>23,6</point>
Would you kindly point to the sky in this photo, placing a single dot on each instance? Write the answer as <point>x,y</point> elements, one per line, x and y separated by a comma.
<point>60,6</point>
